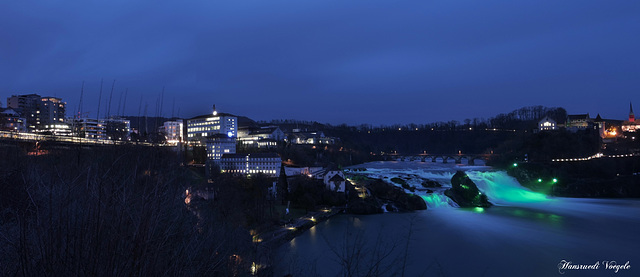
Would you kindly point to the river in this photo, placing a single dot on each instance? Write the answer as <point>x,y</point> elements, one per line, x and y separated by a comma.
<point>524,234</point>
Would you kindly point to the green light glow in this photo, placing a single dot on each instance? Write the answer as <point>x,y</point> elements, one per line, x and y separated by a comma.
<point>555,180</point>
<point>464,186</point>
<point>539,180</point>
<point>515,164</point>
<point>498,185</point>
<point>478,209</point>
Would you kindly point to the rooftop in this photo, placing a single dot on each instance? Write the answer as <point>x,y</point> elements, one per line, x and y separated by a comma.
<point>211,115</point>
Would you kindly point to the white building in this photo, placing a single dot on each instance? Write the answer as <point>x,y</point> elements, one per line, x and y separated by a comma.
<point>218,145</point>
<point>334,180</point>
<point>200,127</point>
<point>172,131</point>
<point>264,137</point>
<point>247,164</point>
<point>546,124</point>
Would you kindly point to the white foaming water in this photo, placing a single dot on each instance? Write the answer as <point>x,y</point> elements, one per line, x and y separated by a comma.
<point>500,188</point>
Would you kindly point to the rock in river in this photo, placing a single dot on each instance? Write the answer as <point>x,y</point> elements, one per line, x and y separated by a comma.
<point>465,193</point>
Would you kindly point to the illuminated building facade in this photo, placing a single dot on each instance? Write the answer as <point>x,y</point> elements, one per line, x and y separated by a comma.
<point>576,122</point>
<point>547,124</point>
<point>90,128</point>
<point>200,127</point>
<point>248,164</point>
<point>172,131</point>
<point>218,145</point>
<point>264,137</point>
<point>631,125</point>
<point>42,113</point>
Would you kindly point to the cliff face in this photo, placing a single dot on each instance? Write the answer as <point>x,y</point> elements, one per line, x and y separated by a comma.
<point>465,193</point>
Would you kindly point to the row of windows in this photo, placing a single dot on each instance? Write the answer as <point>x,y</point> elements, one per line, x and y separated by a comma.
<point>250,171</point>
<point>201,129</point>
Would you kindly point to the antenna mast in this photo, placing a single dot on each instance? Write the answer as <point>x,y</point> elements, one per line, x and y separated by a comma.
<point>80,103</point>
<point>124,103</point>
<point>110,97</point>
<point>99,101</point>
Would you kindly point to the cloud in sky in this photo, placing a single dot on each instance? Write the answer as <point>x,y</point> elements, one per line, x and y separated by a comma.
<point>379,62</point>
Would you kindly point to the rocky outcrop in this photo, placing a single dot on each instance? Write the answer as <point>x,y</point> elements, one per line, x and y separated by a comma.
<point>401,200</point>
<point>364,206</point>
<point>465,193</point>
<point>431,184</point>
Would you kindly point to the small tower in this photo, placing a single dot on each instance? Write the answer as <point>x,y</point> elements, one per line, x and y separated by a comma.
<point>631,116</point>
<point>215,112</point>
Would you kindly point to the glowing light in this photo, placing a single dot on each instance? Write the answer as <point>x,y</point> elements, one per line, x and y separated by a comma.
<point>539,180</point>
<point>515,164</point>
<point>555,180</point>
<point>254,268</point>
<point>478,209</point>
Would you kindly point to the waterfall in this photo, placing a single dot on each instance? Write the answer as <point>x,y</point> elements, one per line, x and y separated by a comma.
<point>503,189</point>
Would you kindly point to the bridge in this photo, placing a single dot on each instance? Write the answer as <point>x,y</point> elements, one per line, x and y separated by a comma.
<point>457,158</point>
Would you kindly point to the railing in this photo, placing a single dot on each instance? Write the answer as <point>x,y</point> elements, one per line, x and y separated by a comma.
<point>596,156</point>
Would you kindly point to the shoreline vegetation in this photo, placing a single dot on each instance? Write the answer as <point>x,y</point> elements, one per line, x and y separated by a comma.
<point>597,178</point>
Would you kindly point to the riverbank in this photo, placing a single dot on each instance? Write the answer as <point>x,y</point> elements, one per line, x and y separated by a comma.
<point>283,234</point>
<point>597,178</point>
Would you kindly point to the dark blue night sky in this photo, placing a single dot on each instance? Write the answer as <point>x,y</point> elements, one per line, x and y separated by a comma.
<point>333,61</point>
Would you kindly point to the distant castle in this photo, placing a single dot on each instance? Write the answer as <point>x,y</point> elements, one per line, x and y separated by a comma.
<point>609,129</point>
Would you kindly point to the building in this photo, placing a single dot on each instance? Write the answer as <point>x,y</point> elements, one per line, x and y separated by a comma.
<point>248,164</point>
<point>577,122</point>
<point>118,128</point>
<point>10,120</point>
<point>631,125</point>
<point>90,128</point>
<point>172,131</point>
<point>43,114</point>
<point>314,137</point>
<point>26,105</point>
<point>609,129</point>
<point>334,180</point>
<point>200,127</point>
<point>218,145</point>
<point>547,124</point>
<point>264,137</point>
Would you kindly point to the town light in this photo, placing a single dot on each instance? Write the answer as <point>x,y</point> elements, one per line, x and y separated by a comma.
<point>515,164</point>
<point>555,180</point>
